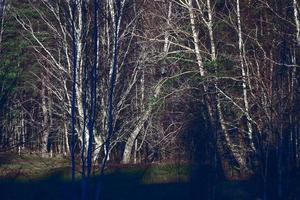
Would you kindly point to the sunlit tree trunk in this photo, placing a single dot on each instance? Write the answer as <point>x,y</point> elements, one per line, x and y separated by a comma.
<point>167,33</point>
<point>297,19</point>
<point>195,37</point>
<point>46,118</point>
<point>131,145</point>
<point>139,126</point>
<point>244,77</point>
<point>2,16</point>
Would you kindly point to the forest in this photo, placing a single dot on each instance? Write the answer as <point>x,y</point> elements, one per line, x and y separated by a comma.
<point>150,99</point>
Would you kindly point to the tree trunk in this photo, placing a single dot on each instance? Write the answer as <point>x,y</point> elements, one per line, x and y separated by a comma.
<point>2,15</point>
<point>45,123</point>
<point>130,141</point>
<point>297,20</point>
<point>244,85</point>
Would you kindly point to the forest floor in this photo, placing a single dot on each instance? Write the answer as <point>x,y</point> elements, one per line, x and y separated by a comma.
<point>30,177</point>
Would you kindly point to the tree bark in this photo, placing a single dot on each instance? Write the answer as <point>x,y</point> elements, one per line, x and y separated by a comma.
<point>297,20</point>
<point>244,80</point>
<point>45,123</point>
<point>2,16</point>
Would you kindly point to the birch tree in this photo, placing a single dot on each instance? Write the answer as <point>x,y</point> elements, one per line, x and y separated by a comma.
<point>2,18</point>
<point>244,77</point>
<point>146,108</point>
<point>297,20</point>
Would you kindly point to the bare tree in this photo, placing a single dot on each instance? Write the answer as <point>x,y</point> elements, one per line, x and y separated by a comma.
<point>297,20</point>
<point>2,16</point>
<point>244,77</point>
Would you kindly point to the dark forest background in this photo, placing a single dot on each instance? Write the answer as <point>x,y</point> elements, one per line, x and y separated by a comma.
<point>213,83</point>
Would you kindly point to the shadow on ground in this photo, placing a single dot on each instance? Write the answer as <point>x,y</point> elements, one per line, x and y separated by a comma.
<point>35,178</point>
<point>119,185</point>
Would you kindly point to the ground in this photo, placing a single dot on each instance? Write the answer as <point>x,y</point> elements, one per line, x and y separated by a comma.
<point>30,177</point>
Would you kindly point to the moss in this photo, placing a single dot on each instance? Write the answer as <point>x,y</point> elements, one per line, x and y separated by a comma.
<point>167,173</point>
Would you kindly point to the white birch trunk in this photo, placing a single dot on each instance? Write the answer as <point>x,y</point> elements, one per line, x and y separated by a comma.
<point>297,20</point>
<point>167,33</point>
<point>45,123</point>
<point>66,146</point>
<point>210,30</point>
<point>140,124</point>
<point>195,37</point>
<point>130,141</point>
<point>2,15</point>
<point>244,80</point>
<point>209,23</point>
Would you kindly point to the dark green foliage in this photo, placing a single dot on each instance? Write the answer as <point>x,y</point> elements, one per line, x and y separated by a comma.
<point>18,63</point>
<point>14,55</point>
<point>220,67</point>
<point>183,58</point>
